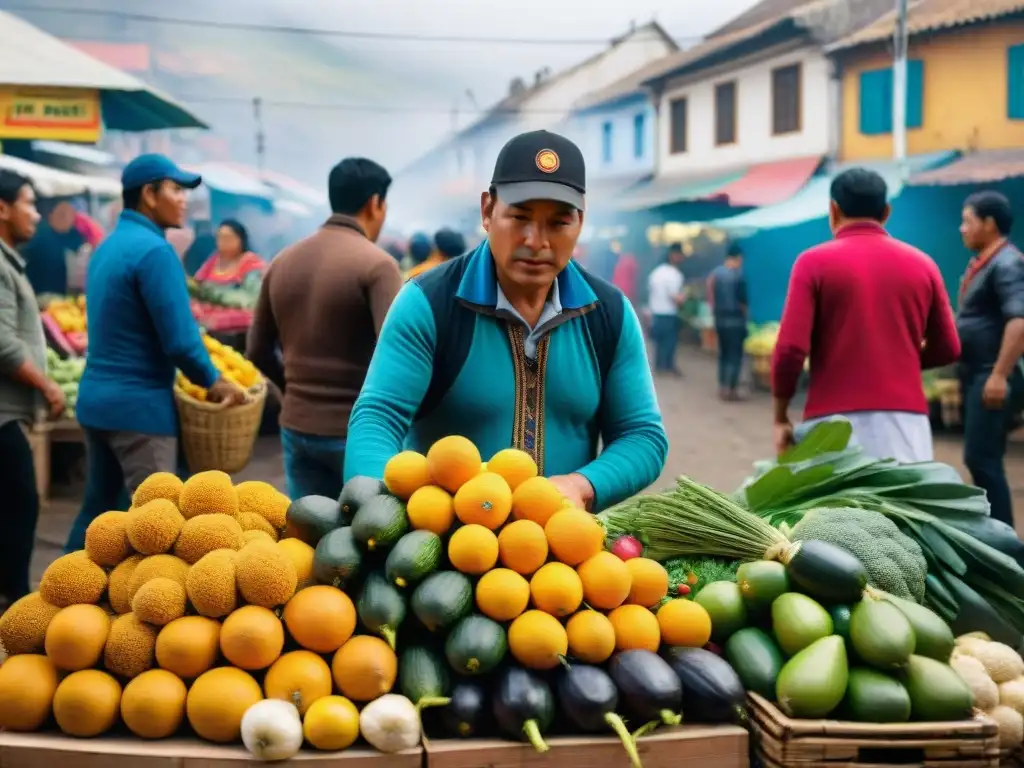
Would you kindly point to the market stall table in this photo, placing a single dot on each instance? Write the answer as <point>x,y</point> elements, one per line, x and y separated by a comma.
<point>41,438</point>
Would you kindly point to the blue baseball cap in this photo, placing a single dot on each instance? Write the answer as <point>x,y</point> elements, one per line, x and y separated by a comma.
<point>149,169</point>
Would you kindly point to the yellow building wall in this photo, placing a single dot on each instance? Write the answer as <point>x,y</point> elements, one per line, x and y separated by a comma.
<point>964,95</point>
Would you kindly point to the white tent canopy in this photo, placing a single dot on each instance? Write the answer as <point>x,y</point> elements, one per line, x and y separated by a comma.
<point>53,182</point>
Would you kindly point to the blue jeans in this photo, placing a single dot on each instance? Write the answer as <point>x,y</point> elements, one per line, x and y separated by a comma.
<point>665,335</point>
<point>730,355</point>
<point>313,464</point>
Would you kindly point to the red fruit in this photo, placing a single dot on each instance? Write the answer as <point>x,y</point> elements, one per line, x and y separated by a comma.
<point>627,547</point>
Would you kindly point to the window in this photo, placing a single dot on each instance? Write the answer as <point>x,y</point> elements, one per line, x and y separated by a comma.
<point>606,142</point>
<point>1015,82</point>
<point>639,124</point>
<point>787,99</point>
<point>677,126</point>
<point>876,99</point>
<point>725,113</point>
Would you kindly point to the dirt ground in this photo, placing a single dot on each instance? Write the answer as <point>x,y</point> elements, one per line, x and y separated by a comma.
<point>712,441</point>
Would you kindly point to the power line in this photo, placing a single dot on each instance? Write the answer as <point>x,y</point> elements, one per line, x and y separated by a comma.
<point>371,108</point>
<point>297,30</point>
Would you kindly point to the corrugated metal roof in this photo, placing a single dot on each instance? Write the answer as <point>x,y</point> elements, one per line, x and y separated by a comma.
<point>931,16</point>
<point>33,58</point>
<point>976,168</point>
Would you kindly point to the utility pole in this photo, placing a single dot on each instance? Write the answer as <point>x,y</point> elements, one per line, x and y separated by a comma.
<point>899,88</point>
<point>261,146</point>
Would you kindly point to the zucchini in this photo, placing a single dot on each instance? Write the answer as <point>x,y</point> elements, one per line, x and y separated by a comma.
<point>813,683</point>
<point>381,608</point>
<point>337,559</point>
<point>875,697</point>
<point>649,687</point>
<point>311,518</point>
<point>380,522</point>
<point>825,571</point>
<point>442,599</point>
<point>880,634</point>
<point>712,691</point>
<point>414,556</point>
<point>524,706</point>
<point>357,492</point>
<point>756,658</point>
<point>466,713</point>
<point>423,678</point>
<point>588,699</point>
<point>476,645</point>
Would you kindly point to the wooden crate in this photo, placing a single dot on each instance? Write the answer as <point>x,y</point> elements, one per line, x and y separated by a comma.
<point>687,746</point>
<point>781,742</point>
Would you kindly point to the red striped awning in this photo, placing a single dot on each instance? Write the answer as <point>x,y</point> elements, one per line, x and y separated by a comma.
<point>770,183</point>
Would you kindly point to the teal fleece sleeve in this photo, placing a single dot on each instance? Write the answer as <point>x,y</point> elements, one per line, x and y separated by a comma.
<point>396,383</point>
<point>633,435</point>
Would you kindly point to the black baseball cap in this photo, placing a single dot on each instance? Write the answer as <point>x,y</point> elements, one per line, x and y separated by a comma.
<point>540,165</point>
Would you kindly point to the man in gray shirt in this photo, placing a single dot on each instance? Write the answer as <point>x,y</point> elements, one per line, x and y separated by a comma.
<point>24,386</point>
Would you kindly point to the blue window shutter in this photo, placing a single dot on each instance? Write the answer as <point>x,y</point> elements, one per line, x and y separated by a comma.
<point>876,102</point>
<point>1015,82</point>
<point>915,93</point>
<point>606,142</point>
<point>638,135</point>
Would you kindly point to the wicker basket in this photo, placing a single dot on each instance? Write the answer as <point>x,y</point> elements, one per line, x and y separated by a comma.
<point>215,437</point>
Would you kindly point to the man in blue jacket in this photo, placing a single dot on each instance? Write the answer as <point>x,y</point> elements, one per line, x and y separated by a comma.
<point>141,330</point>
<point>514,344</point>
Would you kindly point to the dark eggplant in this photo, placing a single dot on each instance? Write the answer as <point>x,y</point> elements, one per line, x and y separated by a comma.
<point>648,686</point>
<point>466,712</point>
<point>524,706</point>
<point>588,698</point>
<point>826,572</point>
<point>712,691</point>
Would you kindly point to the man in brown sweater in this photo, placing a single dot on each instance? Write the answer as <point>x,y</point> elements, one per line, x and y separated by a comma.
<point>322,304</point>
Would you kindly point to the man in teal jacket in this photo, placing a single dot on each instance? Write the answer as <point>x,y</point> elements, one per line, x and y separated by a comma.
<point>515,345</point>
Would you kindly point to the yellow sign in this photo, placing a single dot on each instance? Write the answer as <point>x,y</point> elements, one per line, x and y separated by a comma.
<point>59,114</point>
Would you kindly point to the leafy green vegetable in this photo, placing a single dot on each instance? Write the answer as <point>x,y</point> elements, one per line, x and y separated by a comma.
<point>687,576</point>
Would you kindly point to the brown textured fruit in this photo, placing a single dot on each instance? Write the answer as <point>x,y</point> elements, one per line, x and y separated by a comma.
<point>205,533</point>
<point>210,584</point>
<point>155,567</point>
<point>250,536</point>
<point>154,527</point>
<point>250,521</point>
<point>263,499</point>
<point>106,541</point>
<point>159,485</point>
<point>265,575</point>
<point>159,601</point>
<point>76,637</point>
<point>73,579</point>
<point>130,646</point>
<point>23,625</point>
<point>208,493</point>
<point>188,646</point>
<point>119,581</point>
<point>27,685</point>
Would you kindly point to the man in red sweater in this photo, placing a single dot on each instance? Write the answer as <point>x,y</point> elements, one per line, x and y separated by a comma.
<point>871,312</point>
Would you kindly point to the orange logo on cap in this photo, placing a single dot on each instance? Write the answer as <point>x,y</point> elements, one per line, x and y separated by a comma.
<point>547,161</point>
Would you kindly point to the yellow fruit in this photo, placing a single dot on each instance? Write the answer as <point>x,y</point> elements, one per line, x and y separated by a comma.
<point>484,500</point>
<point>27,685</point>
<point>188,646</point>
<point>76,637</point>
<point>473,549</point>
<point>106,542</point>
<point>154,567</point>
<point>636,629</point>
<point>130,646</point>
<point>606,581</point>
<point>301,555</point>
<point>252,637</point>
<point>160,485</point>
<point>536,499</point>
<point>514,465</point>
<point>556,589</point>
<point>574,536</point>
<point>331,723</point>
<point>431,508</point>
<point>263,499</point>
<point>217,701</point>
<point>159,601</point>
<point>204,533</point>
<point>119,582</point>
<point>502,594</point>
<point>538,640</point>
<point>320,618</point>
<point>208,493</point>
<point>365,668</point>
<point>405,473</point>
<point>72,579</point>
<point>253,522</point>
<point>23,625</point>
<point>591,637</point>
<point>649,581</point>
<point>250,536</point>
<point>153,704</point>
<point>299,677</point>
<point>684,622</point>
<point>210,584</point>
<point>452,461</point>
<point>153,528</point>
<point>265,575</point>
<point>522,546</point>
<point>87,703</point>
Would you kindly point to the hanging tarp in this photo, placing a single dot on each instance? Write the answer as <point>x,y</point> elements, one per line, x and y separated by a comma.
<point>53,182</point>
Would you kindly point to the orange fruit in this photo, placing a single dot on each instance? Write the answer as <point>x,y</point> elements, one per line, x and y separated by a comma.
<point>321,618</point>
<point>556,589</point>
<point>522,546</point>
<point>636,629</point>
<point>606,581</point>
<point>484,500</point>
<point>405,473</point>
<point>452,461</point>
<point>514,465</point>
<point>473,549</point>
<point>684,622</point>
<point>431,508</point>
<point>650,581</point>
<point>574,536</point>
<point>251,637</point>
<point>591,636</point>
<point>536,499</point>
